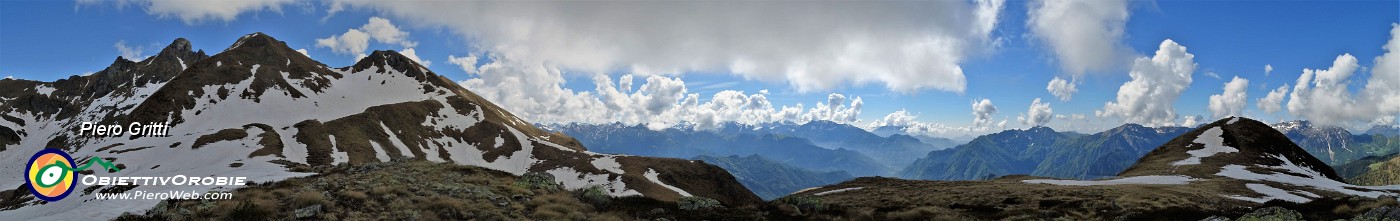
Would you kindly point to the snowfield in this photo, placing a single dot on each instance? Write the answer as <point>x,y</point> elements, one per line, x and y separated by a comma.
<point>823,193</point>
<point>1214,144</point>
<point>1311,178</point>
<point>652,174</point>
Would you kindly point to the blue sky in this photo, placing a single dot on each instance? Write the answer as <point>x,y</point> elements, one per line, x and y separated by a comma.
<point>48,40</point>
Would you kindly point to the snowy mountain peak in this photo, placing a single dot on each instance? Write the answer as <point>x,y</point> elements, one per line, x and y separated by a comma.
<point>247,38</point>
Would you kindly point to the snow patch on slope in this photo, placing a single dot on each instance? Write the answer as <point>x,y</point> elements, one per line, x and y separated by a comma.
<point>1213,143</point>
<point>651,175</point>
<point>1310,178</point>
<point>823,193</point>
<point>338,156</point>
<point>572,179</point>
<point>1271,193</point>
<point>608,163</point>
<point>1154,179</point>
<point>45,90</point>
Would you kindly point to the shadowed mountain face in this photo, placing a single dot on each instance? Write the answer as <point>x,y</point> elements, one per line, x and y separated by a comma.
<point>1103,154</point>
<point>261,110</point>
<point>1372,171</point>
<point>771,180</point>
<point>1041,151</point>
<point>1006,152</point>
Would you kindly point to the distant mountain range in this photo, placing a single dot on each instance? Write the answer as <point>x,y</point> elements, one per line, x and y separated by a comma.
<point>1041,151</point>
<point>1007,152</point>
<point>1222,169</point>
<point>1387,130</point>
<point>1337,146</point>
<point>686,143</point>
<point>1038,151</point>
<point>893,150</point>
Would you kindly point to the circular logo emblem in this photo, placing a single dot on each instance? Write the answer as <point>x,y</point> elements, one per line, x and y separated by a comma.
<point>50,175</point>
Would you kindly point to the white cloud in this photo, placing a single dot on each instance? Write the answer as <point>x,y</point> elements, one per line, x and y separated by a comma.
<point>910,125</point>
<point>382,30</point>
<point>1212,74</point>
<point>534,91</point>
<point>304,52</point>
<point>1039,114</point>
<point>133,53</point>
<point>355,41</point>
<point>1273,102</point>
<point>1231,102</point>
<point>1383,88</point>
<point>1268,68</point>
<point>1078,122</point>
<point>982,111</point>
<point>905,46</point>
<point>1191,121</point>
<point>1322,96</point>
<point>1150,97</point>
<point>1062,89</point>
<point>413,54</point>
<point>358,57</point>
<point>1085,35</point>
<point>468,63</point>
<point>1384,120</point>
<point>899,118</point>
<point>196,12</point>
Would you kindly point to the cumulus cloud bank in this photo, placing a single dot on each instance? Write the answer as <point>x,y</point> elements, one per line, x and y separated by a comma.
<point>132,52</point>
<point>1232,101</point>
<point>1038,115</point>
<point>535,91</point>
<point>982,111</point>
<point>906,46</point>
<point>355,41</point>
<point>1061,88</point>
<point>196,12</point>
<point>1273,102</point>
<point>1083,34</point>
<point>1150,97</point>
<point>1322,96</point>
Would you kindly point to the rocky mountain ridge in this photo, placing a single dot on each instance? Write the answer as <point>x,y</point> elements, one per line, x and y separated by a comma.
<point>261,110</point>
